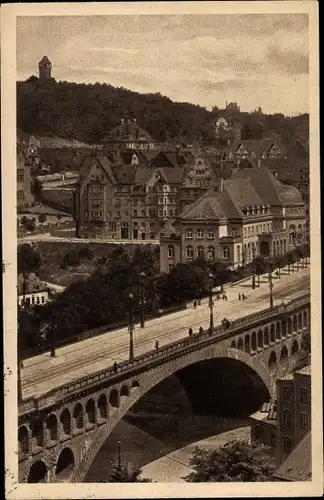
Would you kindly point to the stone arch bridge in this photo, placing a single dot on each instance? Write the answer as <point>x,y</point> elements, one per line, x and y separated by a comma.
<point>60,433</point>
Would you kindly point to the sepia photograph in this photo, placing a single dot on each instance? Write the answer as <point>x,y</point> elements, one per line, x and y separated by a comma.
<point>164,243</point>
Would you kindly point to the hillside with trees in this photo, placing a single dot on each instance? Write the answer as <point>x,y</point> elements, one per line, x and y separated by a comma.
<point>87,112</point>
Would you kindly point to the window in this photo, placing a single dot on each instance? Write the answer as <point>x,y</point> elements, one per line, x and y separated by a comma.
<point>43,299</point>
<point>287,418</point>
<point>189,233</point>
<point>126,213</point>
<point>210,233</point>
<point>117,202</point>
<point>200,252</point>
<point>286,394</point>
<point>190,252</point>
<point>20,194</point>
<point>234,231</point>
<point>252,230</point>
<point>226,253</point>
<point>287,445</point>
<point>143,213</point>
<point>118,213</point>
<point>135,213</point>
<point>304,421</point>
<point>171,251</point>
<point>20,176</point>
<point>303,396</point>
<point>95,203</point>
<point>244,232</point>
<point>164,201</point>
<point>200,233</point>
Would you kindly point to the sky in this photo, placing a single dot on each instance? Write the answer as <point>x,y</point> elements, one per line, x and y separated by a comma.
<point>254,60</point>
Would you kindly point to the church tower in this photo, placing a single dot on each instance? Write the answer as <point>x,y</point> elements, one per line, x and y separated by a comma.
<point>45,68</point>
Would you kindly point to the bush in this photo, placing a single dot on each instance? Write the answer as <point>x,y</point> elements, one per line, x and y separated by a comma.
<point>236,461</point>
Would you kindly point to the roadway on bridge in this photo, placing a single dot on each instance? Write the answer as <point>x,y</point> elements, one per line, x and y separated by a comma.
<point>43,373</point>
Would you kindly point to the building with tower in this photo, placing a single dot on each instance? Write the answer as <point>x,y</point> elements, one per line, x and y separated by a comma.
<point>45,69</point>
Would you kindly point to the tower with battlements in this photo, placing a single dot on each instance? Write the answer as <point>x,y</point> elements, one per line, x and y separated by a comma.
<point>45,69</point>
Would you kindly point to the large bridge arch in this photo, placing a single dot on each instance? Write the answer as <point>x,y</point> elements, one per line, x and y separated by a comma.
<point>152,378</point>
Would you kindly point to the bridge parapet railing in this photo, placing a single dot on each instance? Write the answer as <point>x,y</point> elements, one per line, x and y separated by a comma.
<point>104,375</point>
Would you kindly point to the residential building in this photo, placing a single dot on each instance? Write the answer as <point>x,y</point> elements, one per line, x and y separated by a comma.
<point>251,213</point>
<point>31,290</point>
<point>255,150</point>
<point>285,425</point>
<point>125,202</point>
<point>128,135</point>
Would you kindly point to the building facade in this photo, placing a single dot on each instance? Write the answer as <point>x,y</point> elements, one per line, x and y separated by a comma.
<point>285,424</point>
<point>134,194</point>
<point>128,136</point>
<point>31,290</point>
<point>248,215</point>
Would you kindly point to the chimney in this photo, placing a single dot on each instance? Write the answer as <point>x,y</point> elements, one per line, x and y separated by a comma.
<point>226,104</point>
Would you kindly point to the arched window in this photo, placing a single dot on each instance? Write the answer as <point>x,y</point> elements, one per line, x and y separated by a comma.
<point>190,252</point>
<point>211,253</point>
<point>200,251</point>
<point>303,396</point>
<point>287,418</point>
<point>20,194</point>
<point>226,253</point>
<point>304,421</point>
<point>171,251</point>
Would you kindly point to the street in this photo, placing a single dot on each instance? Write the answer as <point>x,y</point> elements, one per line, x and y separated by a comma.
<point>43,373</point>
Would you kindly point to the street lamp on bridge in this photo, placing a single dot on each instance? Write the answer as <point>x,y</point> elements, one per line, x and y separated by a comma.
<point>270,288</point>
<point>142,277</point>
<point>253,267</point>
<point>131,327</point>
<point>211,303</point>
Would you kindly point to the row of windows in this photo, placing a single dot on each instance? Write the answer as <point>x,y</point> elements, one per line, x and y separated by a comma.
<point>210,252</point>
<point>257,229</point>
<point>287,420</point>
<point>303,395</point>
<point>20,176</point>
<point>34,300</point>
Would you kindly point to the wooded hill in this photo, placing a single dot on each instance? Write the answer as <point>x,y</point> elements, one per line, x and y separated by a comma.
<point>87,112</point>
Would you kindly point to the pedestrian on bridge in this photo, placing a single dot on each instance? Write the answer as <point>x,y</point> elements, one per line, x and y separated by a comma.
<point>239,296</point>
<point>157,345</point>
<point>195,304</point>
<point>190,332</point>
<point>115,367</point>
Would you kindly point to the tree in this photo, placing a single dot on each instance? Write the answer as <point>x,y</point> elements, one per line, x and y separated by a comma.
<point>291,259</point>
<point>125,474</point>
<point>236,461</point>
<point>29,259</point>
<point>42,218</point>
<point>260,267</point>
<point>30,225</point>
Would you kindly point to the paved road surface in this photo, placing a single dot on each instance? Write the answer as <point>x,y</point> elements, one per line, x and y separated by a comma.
<point>43,373</point>
<point>175,466</point>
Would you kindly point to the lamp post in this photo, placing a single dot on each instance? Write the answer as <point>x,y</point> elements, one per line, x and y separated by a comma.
<point>253,267</point>
<point>119,455</point>
<point>142,277</point>
<point>211,303</point>
<point>131,327</point>
<point>53,342</point>
<point>270,288</point>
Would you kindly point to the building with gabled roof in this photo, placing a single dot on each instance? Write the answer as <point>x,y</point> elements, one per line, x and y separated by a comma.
<point>251,213</point>
<point>128,135</point>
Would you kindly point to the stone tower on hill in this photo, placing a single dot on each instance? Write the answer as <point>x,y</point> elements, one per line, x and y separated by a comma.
<point>45,68</point>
